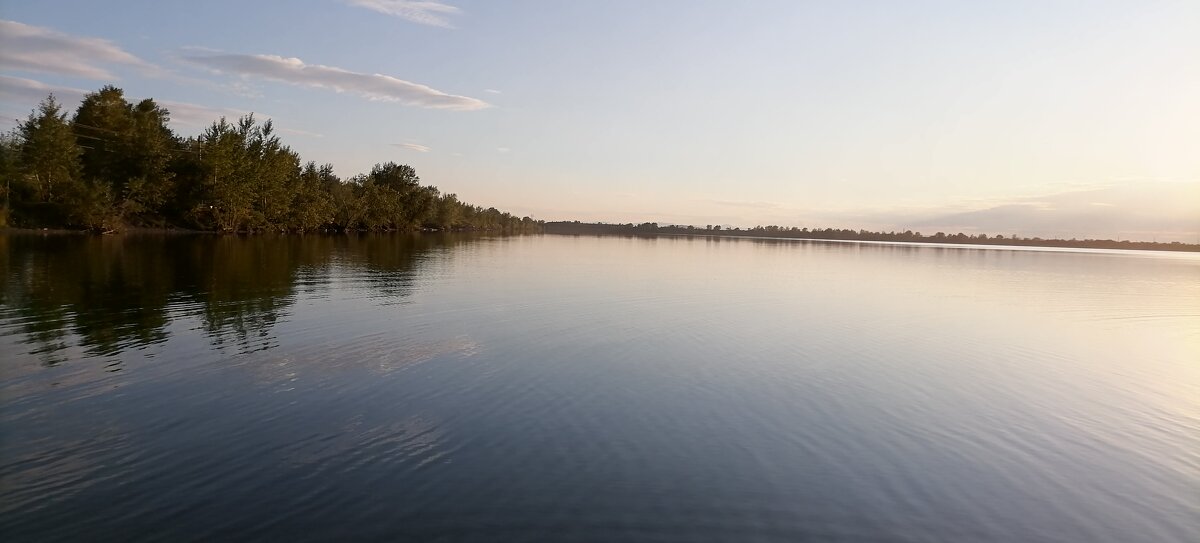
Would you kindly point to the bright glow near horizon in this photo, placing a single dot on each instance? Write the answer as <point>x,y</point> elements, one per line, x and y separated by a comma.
<point>1056,119</point>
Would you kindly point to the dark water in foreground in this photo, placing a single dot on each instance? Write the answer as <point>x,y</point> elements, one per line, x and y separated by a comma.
<point>594,389</point>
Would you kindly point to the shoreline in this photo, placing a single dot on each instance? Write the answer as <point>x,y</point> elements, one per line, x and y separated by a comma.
<point>998,244</point>
<point>1004,244</point>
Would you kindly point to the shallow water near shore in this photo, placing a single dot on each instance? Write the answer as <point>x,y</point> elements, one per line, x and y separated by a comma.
<point>470,388</point>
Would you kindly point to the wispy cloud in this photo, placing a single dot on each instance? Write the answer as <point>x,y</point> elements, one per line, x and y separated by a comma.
<point>421,12</point>
<point>503,149</point>
<point>241,88</point>
<point>38,49</point>
<point>197,115</point>
<point>30,92</point>
<point>298,132</point>
<point>9,120</point>
<point>412,147</point>
<point>491,91</point>
<point>745,203</point>
<point>372,86</point>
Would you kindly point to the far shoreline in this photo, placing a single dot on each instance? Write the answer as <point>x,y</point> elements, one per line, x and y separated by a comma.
<point>1096,246</point>
<point>941,244</point>
<point>860,236</point>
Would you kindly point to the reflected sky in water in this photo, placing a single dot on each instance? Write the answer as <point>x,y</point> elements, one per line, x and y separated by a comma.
<point>583,388</point>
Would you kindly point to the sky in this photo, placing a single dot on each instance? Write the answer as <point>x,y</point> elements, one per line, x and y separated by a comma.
<point>1039,118</point>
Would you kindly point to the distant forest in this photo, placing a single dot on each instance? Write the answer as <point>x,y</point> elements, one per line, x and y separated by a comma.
<point>651,228</point>
<point>115,164</point>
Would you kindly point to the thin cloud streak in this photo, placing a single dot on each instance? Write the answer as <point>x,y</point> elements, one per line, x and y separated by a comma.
<point>378,87</point>
<point>740,203</point>
<point>38,49</point>
<point>413,147</point>
<point>427,13</point>
<point>198,115</point>
<point>30,92</point>
<point>299,132</point>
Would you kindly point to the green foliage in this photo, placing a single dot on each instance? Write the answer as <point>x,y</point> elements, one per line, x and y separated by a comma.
<point>449,212</point>
<point>10,171</point>
<point>148,183</point>
<point>102,125</point>
<point>91,204</point>
<point>348,206</point>
<point>125,153</point>
<point>117,163</point>
<point>312,206</point>
<point>49,155</point>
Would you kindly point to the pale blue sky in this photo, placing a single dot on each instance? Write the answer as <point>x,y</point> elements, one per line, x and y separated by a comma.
<point>1038,118</point>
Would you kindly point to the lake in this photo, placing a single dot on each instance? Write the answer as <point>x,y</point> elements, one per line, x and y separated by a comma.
<point>534,388</point>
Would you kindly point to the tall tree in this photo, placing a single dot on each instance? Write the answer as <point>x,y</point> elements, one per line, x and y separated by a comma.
<point>126,148</point>
<point>449,212</point>
<point>224,200</point>
<point>102,125</point>
<point>49,155</point>
<point>312,205</point>
<point>272,170</point>
<point>348,207</point>
<point>150,181</point>
<point>10,170</point>
<point>247,178</point>
<point>401,178</point>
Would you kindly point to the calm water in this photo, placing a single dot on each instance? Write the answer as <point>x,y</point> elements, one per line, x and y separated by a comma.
<point>594,389</point>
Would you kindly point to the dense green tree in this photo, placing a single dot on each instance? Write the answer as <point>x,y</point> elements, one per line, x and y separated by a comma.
<point>102,125</point>
<point>117,163</point>
<point>381,206</point>
<point>312,204</point>
<point>395,197</point>
<point>247,178</point>
<point>149,182</point>
<point>275,172</point>
<point>348,207</point>
<point>449,212</point>
<point>401,178</point>
<point>49,155</point>
<point>419,207</point>
<point>223,198</point>
<point>125,151</point>
<point>10,171</point>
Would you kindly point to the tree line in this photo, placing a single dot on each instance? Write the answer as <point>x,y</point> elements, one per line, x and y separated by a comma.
<point>114,163</point>
<point>839,234</point>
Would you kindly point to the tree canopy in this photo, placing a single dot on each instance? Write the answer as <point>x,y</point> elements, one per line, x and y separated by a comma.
<point>116,163</point>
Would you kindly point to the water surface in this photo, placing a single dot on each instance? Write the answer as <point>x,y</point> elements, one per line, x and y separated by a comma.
<point>535,388</point>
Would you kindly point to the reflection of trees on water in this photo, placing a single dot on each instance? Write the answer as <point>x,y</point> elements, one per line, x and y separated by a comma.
<point>392,261</point>
<point>245,285</point>
<point>111,294</point>
<point>119,293</point>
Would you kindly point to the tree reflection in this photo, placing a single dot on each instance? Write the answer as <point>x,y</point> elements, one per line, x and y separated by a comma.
<point>393,260</point>
<point>106,295</point>
<point>244,286</point>
<point>109,293</point>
